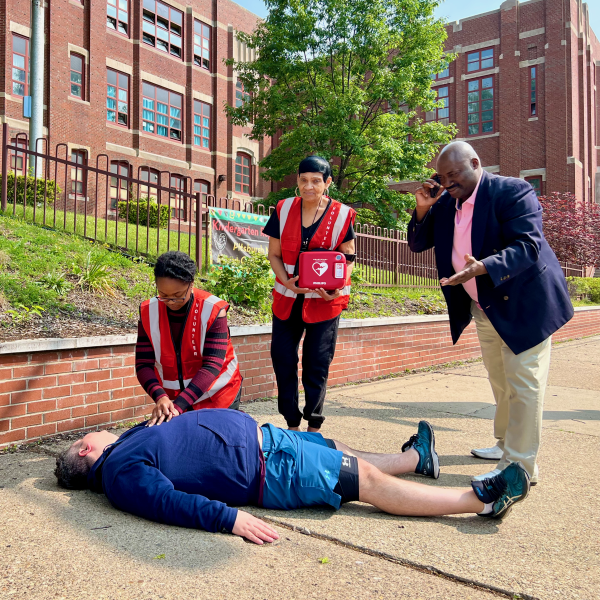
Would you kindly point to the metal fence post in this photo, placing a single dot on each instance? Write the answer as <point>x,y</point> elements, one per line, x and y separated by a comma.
<point>3,201</point>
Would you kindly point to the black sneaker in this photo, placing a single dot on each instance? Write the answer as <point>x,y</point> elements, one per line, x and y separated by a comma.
<point>503,490</point>
<point>424,443</point>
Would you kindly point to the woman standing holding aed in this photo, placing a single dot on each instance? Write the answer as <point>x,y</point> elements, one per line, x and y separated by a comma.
<point>308,222</point>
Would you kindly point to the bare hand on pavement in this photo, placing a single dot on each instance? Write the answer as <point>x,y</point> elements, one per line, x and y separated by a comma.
<point>253,529</point>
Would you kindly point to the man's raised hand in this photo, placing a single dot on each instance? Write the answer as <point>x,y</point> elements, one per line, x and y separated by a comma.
<point>472,268</point>
<point>253,529</point>
<point>424,199</point>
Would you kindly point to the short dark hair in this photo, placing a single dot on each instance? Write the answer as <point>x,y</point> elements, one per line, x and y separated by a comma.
<point>72,470</point>
<point>315,164</point>
<point>176,265</point>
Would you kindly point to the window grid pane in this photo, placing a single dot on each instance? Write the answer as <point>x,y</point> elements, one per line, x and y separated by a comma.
<point>441,114</point>
<point>17,159</point>
<point>242,174</point>
<point>117,16</point>
<point>118,187</point>
<point>533,92</point>
<point>480,106</point>
<point>177,201</point>
<point>204,188</point>
<point>150,175</point>
<point>202,124</point>
<point>202,45</point>
<point>78,175</point>
<point>480,60</point>
<point>165,119</point>
<point>77,76</point>
<point>162,27</point>
<point>20,69</point>
<point>117,98</point>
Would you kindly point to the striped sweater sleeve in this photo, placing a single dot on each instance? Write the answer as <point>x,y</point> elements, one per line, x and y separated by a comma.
<point>213,358</point>
<point>144,365</point>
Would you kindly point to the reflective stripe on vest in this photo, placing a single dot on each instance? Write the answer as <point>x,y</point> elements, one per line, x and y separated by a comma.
<point>222,380</point>
<point>155,335</point>
<point>339,225</point>
<point>283,214</point>
<point>280,288</point>
<point>207,308</point>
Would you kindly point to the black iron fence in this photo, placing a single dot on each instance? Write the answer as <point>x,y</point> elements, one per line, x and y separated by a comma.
<point>152,211</point>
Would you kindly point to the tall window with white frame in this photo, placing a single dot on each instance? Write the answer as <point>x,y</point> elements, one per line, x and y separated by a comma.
<point>176,199</point>
<point>161,112</point>
<point>117,98</point>
<point>163,27</point>
<point>243,170</point>
<point>533,91</point>
<point>152,176</point>
<point>17,159</point>
<point>77,76</point>
<point>201,187</point>
<point>20,66</point>
<point>202,45</point>
<point>117,16</point>
<point>202,124</point>
<point>441,114</point>
<point>480,106</point>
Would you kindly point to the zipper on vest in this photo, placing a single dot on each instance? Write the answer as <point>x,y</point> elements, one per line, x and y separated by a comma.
<point>178,347</point>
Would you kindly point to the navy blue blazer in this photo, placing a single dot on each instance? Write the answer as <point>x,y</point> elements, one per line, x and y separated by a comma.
<point>524,292</point>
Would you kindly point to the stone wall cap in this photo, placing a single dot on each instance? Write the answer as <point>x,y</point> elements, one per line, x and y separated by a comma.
<point>57,344</point>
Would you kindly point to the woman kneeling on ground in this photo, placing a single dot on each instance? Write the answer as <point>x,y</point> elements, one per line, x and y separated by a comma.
<point>184,359</point>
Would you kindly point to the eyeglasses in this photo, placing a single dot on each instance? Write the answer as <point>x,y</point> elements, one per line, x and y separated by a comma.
<point>175,301</point>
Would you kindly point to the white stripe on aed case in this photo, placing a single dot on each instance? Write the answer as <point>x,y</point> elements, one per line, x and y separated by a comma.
<point>207,308</point>
<point>339,225</point>
<point>155,333</point>
<point>280,288</point>
<point>222,380</point>
<point>283,216</point>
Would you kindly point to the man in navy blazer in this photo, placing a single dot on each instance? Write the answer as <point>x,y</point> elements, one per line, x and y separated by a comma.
<point>495,265</point>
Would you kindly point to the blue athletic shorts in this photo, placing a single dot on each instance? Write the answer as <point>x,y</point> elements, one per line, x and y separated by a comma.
<point>300,469</point>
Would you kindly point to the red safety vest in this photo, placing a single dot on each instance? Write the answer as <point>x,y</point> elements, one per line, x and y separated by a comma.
<point>329,235</point>
<point>203,311</point>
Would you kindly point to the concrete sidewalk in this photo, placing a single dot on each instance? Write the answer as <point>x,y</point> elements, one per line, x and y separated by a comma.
<point>59,544</point>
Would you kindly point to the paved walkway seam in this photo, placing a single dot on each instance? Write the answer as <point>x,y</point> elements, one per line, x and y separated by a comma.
<point>404,562</point>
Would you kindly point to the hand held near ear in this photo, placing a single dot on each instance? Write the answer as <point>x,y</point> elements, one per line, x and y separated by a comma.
<point>424,199</point>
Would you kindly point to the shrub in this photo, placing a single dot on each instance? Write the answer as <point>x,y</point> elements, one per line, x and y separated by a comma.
<point>247,281</point>
<point>48,185</point>
<point>142,217</point>
<point>585,286</point>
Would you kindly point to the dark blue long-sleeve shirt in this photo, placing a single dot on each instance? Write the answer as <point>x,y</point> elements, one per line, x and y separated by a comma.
<point>185,472</point>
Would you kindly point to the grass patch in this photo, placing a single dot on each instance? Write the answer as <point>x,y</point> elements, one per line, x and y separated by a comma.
<point>30,253</point>
<point>144,240</point>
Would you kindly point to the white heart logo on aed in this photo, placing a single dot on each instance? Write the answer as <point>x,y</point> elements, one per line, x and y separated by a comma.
<point>320,267</point>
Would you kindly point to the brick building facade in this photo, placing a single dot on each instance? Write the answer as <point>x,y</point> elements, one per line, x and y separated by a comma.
<point>142,81</point>
<point>523,91</point>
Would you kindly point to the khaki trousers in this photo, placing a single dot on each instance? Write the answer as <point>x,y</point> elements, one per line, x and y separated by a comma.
<point>518,383</point>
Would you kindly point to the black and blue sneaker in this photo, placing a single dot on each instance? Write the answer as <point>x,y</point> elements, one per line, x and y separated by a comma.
<point>424,443</point>
<point>503,490</point>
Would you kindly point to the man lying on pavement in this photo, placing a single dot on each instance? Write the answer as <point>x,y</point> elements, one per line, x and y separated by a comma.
<point>193,469</point>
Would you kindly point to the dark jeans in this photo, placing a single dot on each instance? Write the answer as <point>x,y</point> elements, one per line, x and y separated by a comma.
<point>317,353</point>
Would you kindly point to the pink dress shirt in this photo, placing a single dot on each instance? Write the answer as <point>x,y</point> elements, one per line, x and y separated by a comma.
<point>463,222</point>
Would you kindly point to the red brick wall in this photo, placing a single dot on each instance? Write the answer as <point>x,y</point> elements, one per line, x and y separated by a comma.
<point>43,393</point>
<point>562,138</point>
<point>84,123</point>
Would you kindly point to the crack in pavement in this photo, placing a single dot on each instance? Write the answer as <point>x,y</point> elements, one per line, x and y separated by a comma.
<point>403,562</point>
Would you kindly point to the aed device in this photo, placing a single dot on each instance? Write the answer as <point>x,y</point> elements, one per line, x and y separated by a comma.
<point>322,269</point>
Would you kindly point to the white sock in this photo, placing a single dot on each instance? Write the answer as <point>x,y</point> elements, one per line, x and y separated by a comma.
<point>487,509</point>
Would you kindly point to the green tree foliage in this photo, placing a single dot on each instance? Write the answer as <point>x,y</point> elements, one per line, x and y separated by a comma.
<point>343,79</point>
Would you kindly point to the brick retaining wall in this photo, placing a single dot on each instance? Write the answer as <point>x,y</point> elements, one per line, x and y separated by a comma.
<point>54,386</point>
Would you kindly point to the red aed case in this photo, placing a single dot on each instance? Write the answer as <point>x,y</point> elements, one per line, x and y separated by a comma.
<point>322,269</point>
